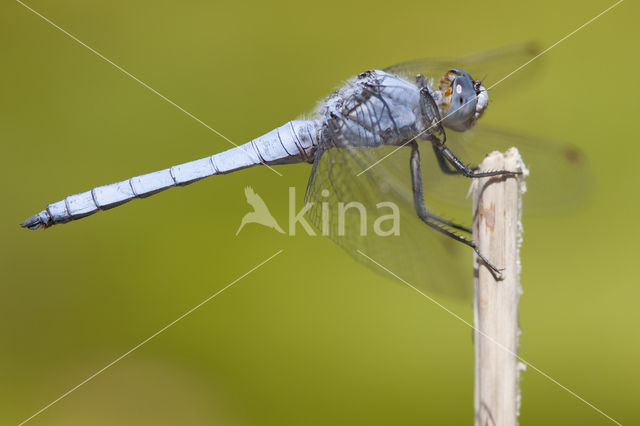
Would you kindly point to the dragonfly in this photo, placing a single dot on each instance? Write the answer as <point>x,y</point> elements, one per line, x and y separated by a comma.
<point>365,142</point>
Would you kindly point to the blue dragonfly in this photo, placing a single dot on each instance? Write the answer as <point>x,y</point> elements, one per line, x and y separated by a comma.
<point>365,142</point>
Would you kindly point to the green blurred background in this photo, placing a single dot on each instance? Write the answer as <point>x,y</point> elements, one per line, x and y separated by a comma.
<point>312,338</point>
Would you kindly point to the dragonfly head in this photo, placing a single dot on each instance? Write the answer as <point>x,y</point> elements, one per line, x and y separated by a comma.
<point>462,100</point>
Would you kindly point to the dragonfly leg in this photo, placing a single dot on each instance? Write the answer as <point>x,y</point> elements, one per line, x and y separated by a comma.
<point>445,167</point>
<point>449,223</point>
<point>432,220</point>
<point>442,151</point>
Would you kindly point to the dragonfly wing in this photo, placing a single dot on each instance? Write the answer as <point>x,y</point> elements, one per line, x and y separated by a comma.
<point>560,177</point>
<point>489,66</point>
<point>373,213</point>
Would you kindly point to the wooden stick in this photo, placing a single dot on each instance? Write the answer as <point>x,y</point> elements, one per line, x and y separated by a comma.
<point>497,231</point>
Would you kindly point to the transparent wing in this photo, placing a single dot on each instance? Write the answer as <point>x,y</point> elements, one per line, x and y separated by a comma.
<point>561,178</point>
<point>490,66</point>
<point>357,212</point>
<point>354,208</point>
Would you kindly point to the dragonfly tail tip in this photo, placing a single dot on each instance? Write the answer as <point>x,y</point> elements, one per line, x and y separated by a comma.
<point>40,220</point>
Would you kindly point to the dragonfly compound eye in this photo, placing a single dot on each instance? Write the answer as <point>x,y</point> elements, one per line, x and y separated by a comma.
<point>461,113</point>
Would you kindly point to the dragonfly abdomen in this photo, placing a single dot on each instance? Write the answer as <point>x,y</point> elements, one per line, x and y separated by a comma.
<point>293,142</point>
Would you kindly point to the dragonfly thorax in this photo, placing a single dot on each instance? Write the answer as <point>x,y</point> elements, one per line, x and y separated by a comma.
<point>372,109</point>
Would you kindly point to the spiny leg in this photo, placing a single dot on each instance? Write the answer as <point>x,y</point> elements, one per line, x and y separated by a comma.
<point>431,220</point>
<point>467,171</point>
<point>445,167</point>
<point>418,197</point>
<point>448,223</point>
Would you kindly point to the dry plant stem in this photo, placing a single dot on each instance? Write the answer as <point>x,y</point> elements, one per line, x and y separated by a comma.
<point>497,231</point>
